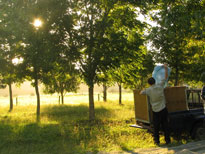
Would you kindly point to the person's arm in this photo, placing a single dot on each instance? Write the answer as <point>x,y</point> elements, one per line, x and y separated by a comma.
<point>143,92</point>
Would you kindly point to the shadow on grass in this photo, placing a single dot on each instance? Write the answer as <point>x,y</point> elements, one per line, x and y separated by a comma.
<point>39,138</point>
<point>35,138</point>
<point>67,130</point>
<point>74,114</point>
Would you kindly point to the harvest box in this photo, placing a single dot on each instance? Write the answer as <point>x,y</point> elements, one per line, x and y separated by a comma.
<point>176,99</point>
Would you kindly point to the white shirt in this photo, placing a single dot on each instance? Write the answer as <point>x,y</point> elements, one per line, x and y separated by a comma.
<point>156,96</point>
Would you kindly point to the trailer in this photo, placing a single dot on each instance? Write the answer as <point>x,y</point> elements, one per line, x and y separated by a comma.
<point>185,111</point>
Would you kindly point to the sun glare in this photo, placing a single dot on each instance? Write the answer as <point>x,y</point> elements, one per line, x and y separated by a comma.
<point>37,23</point>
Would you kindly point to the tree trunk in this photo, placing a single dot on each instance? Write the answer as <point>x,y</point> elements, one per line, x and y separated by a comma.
<point>38,99</point>
<point>62,98</point>
<point>59,100</point>
<point>104,92</point>
<point>176,76</point>
<point>11,97</point>
<point>142,82</point>
<point>120,93</point>
<point>16,100</point>
<point>91,104</point>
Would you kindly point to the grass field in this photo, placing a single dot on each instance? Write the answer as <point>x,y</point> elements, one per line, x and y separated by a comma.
<point>69,99</point>
<point>65,129</point>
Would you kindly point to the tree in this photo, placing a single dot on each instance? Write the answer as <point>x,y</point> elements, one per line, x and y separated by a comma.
<point>103,45</point>
<point>64,75</point>
<point>179,26</point>
<point>8,73</point>
<point>93,23</point>
<point>41,46</point>
<point>133,74</point>
<point>196,39</point>
<point>124,19</point>
<point>118,77</point>
<point>61,79</point>
<point>104,79</point>
<point>169,38</point>
<point>10,41</point>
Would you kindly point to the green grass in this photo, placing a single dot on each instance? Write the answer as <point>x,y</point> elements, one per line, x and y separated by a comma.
<point>65,129</point>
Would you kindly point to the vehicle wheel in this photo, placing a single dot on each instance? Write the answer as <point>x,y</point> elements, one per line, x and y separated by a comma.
<point>198,132</point>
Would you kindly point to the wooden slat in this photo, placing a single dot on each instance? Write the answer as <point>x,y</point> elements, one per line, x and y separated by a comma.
<point>176,99</point>
<point>141,107</point>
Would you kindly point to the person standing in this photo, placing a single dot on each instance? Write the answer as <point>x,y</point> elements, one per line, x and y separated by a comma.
<point>158,104</point>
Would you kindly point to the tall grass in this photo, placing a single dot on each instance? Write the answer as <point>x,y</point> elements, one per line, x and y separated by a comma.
<point>65,129</point>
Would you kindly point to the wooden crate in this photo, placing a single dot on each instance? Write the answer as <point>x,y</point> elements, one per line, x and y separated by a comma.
<point>175,99</point>
<point>142,107</point>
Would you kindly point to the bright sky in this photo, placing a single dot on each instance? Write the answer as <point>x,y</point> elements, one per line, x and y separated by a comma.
<point>142,18</point>
<point>16,61</point>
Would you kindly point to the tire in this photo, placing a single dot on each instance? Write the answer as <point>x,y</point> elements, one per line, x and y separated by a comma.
<point>198,132</point>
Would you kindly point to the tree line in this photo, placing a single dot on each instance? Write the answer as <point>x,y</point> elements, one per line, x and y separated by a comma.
<point>99,42</point>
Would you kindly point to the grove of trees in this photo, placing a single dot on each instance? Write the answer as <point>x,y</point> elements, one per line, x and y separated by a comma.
<point>99,41</point>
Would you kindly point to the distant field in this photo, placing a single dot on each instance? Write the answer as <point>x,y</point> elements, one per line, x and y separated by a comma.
<point>69,99</point>
<point>27,89</point>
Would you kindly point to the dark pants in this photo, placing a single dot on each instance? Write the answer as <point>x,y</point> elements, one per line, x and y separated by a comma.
<point>161,119</point>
